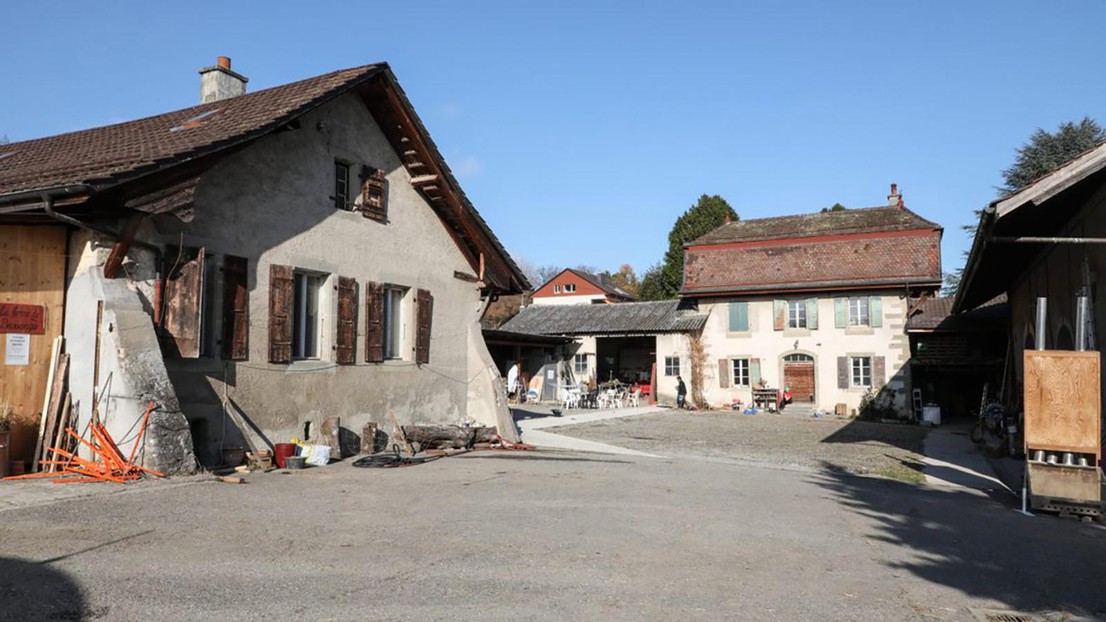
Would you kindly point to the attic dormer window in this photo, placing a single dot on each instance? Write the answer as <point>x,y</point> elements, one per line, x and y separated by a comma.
<point>374,194</point>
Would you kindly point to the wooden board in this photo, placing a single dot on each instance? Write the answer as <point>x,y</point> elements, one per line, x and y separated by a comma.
<point>1063,401</point>
<point>32,271</point>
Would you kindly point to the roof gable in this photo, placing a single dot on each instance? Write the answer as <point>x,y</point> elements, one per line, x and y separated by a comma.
<point>147,155</point>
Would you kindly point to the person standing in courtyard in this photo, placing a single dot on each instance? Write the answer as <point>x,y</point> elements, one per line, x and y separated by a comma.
<point>681,393</point>
<point>512,383</point>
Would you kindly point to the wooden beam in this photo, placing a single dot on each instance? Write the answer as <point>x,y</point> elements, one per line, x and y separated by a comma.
<point>423,179</point>
<point>121,246</point>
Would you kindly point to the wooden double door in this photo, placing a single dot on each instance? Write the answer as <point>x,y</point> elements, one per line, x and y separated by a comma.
<point>798,373</point>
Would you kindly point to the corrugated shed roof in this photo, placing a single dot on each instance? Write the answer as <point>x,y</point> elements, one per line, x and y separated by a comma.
<point>859,220</point>
<point>602,319</point>
<point>936,314</point>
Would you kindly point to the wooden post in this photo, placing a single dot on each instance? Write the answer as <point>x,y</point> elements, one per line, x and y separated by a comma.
<point>120,248</point>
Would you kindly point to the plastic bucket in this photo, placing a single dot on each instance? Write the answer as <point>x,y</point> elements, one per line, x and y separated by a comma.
<point>282,451</point>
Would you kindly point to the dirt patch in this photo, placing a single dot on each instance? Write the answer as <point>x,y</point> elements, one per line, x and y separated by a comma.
<point>861,447</point>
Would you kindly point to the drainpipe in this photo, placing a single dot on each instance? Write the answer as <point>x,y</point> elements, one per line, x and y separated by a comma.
<point>48,207</point>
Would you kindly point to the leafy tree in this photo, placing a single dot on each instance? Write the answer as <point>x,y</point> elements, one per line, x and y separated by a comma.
<point>1047,152</point>
<point>1043,153</point>
<point>625,278</point>
<point>836,207</point>
<point>544,273</point>
<point>709,213</point>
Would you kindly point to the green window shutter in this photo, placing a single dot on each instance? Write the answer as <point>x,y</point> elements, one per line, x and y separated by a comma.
<point>875,311</point>
<point>779,314</point>
<point>739,316</point>
<point>841,312</point>
<point>754,371</point>
<point>812,313</point>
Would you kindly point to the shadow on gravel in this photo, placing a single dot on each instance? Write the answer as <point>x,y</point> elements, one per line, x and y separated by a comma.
<point>35,591</point>
<point>908,437</point>
<point>979,546</point>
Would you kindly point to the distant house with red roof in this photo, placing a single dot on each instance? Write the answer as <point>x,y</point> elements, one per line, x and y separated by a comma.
<point>572,286</point>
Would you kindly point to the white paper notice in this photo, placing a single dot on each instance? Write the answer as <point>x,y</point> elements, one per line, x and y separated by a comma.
<point>17,350</point>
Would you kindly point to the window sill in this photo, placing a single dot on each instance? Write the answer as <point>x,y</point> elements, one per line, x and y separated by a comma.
<point>310,365</point>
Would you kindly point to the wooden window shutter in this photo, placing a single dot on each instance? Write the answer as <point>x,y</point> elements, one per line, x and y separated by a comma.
<point>181,321</point>
<point>236,309</point>
<point>347,321</point>
<point>842,372</point>
<point>779,313</point>
<point>724,373</point>
<point>739,316</point>
<point>425,304</point>
<point>374,194</point>
<point>754,372</point>
<point>875,312</point>
<point>280,314</point>
<point>879,371</point>
<point>812,313</point>
<point>841,312</point>
<point>374,323</point>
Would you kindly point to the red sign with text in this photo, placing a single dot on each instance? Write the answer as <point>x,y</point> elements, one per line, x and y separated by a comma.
<point>16,318</point>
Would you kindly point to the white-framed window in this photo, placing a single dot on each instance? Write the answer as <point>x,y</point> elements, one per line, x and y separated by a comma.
<point>570,288</point>
<point>859,312</point>
<point>556,289</point>
<point>342,199</point>
<point>740,371</point>
<point>796,314</point>
<point>861,367</point>
<point>395,322</point>
<point>580,363</point>
<point>306,319</point>
<point>671,366</point>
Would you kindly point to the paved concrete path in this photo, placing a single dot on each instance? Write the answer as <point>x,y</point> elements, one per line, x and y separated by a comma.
<point>953,460</point>
<point>534,434</point>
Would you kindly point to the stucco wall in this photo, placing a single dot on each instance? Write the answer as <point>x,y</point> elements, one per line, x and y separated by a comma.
<point>270,204</point>
<point>825,344</point>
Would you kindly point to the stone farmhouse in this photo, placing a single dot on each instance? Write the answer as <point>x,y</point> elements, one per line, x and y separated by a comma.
<point>293,253</point>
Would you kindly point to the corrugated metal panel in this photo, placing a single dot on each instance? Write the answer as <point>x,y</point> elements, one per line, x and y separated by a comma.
<point>630,317</point>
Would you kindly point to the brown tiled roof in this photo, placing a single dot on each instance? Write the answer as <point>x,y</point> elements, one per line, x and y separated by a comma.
<point>860,220</point>
<point>106,155</point>
<point>891,259</point>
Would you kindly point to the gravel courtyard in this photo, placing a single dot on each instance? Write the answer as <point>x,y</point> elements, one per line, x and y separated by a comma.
<point>863,448</point>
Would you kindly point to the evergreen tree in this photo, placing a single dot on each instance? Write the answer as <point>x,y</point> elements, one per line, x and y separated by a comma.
<point>663,282</point>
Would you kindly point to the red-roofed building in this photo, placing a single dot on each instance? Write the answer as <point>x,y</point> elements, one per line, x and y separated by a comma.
<point>817,302</point>
<point>573,286</point>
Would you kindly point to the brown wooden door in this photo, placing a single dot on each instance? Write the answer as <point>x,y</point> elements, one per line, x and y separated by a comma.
<point>32,272</point>
<point>800,376</point>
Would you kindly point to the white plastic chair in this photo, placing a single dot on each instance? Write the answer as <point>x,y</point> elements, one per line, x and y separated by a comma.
<point>632,399</point>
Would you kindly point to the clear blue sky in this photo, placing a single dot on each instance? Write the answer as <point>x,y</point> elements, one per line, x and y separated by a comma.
<point>581,130</point>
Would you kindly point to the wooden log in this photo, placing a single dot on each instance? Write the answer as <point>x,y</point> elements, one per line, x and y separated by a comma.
<point>447,436</point>
<point>400,435</point>
<point>63,423</point>
<point>53,411</point>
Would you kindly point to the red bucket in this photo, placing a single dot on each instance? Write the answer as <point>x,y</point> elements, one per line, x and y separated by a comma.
<point>282,451</point>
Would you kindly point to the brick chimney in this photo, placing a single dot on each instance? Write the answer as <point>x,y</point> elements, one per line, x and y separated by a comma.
<point>895,199</point>
<point>219,82</point>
